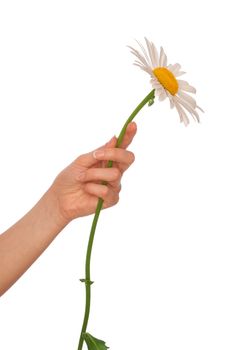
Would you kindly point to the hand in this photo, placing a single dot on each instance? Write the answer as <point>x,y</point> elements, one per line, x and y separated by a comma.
<point>78,187</point>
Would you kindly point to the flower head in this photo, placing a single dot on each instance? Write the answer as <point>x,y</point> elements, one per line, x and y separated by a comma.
<point>164,80</point>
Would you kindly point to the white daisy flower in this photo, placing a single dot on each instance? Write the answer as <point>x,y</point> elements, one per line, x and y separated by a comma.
<point>164,80</point>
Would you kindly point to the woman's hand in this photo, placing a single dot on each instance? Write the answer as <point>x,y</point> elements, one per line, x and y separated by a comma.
<point>78,187</point>
<point>74,193</point>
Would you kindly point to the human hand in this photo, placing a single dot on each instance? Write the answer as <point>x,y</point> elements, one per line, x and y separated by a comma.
<point>78,187</point>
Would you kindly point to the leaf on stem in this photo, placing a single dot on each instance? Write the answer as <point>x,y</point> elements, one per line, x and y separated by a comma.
<point>150,102</point>
<point>94,343</point>
<point>86,281</point>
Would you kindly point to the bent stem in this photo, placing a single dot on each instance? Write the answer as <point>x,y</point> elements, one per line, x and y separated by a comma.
<point>148,99</point>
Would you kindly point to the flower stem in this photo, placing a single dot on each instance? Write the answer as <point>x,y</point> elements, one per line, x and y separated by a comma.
<point>150,97</point>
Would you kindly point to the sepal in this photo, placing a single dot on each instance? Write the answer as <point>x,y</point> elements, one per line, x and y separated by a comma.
<point>94,343</point>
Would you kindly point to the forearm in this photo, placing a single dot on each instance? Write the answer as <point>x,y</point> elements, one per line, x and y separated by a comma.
<point>24,242</point>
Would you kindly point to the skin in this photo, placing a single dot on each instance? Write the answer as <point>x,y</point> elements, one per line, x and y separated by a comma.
<point>73,194</point>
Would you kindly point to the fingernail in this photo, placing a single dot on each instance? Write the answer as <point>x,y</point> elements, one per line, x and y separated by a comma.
<point>98,154</point>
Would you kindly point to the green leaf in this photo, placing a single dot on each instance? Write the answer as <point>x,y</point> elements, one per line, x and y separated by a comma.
<point>94,343</point>
<point>86,281</point>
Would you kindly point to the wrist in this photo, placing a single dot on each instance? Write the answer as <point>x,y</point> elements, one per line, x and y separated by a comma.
<point>51,203</point>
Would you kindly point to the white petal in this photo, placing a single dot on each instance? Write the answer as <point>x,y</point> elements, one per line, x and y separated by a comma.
<point>139,56</point>
<point>184,85</point>
<point>163,58</point>
<point>187,98</point>
<point>188,107</point>
<point>170,67</point>
<point>165,61</point>
<point>176,67</point>
<point>162,96</point>
<point>200,109</point>
<point>179,112</point>
<point>178,74</point>
<point>171,103</point>
<point>152,57</point>
<point>170,99</point>
<point>144,52</point>
<point>195,115</point>
<point>155,83</point>
<point>155,54</point>
<point>182,114</point>
<point>182,82</point>
<point>160,90</point>
<point>145,68</point>
<point>189,88</point>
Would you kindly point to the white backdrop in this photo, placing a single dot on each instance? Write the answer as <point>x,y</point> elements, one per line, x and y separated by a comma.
<point>162,257</point>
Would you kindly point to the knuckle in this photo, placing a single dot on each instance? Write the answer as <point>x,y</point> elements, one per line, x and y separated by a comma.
<point>132,157</point>
<point>80,159</point>
<point>81,176</point>
<point>87,186</point>
<point>116,173</point>
<point>118,188</point>
<point>113,152</point>
<point>116,199</point>
<point>77,160</point>
<point>110,153</point>
<point>105,190</point>
<point>94,174</point>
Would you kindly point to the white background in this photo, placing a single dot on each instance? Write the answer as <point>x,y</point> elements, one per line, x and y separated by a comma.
<point>162,257</point>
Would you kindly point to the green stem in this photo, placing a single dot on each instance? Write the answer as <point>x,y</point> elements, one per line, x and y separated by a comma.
<point>88,282</point>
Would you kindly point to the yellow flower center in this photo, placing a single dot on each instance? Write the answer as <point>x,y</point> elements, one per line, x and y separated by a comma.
<point>167,79</point>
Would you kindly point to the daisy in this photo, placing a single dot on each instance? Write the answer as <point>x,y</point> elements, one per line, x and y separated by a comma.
<point>164,80</point>
<point>165,83</point>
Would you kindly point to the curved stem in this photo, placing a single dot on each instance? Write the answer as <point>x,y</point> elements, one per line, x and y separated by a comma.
<point>88,282</point>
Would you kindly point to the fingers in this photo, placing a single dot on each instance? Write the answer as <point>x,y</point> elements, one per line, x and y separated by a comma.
<point>112,143</point>
<point>115,154</point>
<point>129,135</point>
<point>97,174</point>
<point>87,160</point>
<point>109,196</point>
<point>127,139</point>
